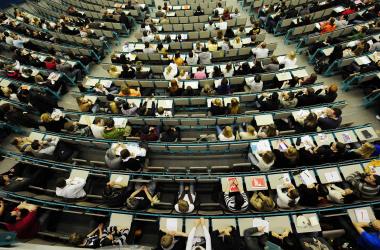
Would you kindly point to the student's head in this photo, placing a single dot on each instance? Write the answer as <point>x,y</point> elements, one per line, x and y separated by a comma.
<point>333,88</point>
<point>267,205</point>
<point>263,45</point>
<point>173,83</point>
<point>291,55</point>
<point>61,182</point>
<point>239,200</point>
<point>45,117</point>
<point>337,112</point>
<point>257,78</point>
<point>16,215</point>
<point>311,120</point>
<point>234,102</point>
<point>293,193</point>
<point>146,44</point>
<point>124,154</point>
<point>322,190</point>
<point>338,147</point>
<point>224,82</point>
<point>227,131</point>
<point>199,8</point>
<point>291,153</point>
<point>109,123</point>
<point>372,179</point>
<point>251,130</point>
<point>274,96</point>
<point>376,225</point>
<point>166,241</point>
<point>183,206</point>
<point>35,145</point>
<point>160,110</point>
<point>268,157</point>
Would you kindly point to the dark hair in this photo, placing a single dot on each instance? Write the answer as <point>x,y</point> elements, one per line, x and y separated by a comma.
<point>322,190</point>
<point>274,96</point>
<point>61,182</point>
<point>124,154</point>
<point>337,112</point>
<point>257,78</point>
<point>349,198</point>
<point>340,147</point>
<point>23,212</point>
<point>2,181</point>
<point>110,123</point>
<point>35,145</point>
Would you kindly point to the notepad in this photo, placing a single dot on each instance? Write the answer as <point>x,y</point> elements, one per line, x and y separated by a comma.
<point>307,178</point>
<point>120,122</point>
<point>328,51</point>
<point>86,120</point>
<point>362,215</point>
<point>106,83</point>
<point>307,141</point>
<point>339,9</point>
<point>332,177</point>
<point>166,104</point>
<point>171,224</point>
<point>313,221</point>
<point>284,76</point>
<point>300,73</point>
<point>362,60</point>
<point>119,179</point>
<point>256,222</point>
<point>260,146</point>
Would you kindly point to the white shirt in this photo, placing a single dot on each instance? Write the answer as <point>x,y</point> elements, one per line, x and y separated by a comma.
<point>335,194</point>
<point>228,73</point>
<point>282,197</point>
<point>9,40</point>
<point>192,60</point>
<point>73,189</point>
<point>254,86</point>
<point>192,239</point>
<point>148,50</point>
<point>263,166</point>
<point>260,52</point>
<point>191,205</point>
<point>223,138</point>
<point>288,63</point>
<point>97,131</point>
<point>147,38</point>
<point>220,10</point>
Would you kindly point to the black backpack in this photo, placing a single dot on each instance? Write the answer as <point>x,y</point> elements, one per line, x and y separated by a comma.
<point>115,197</point>
<point>63,151</point>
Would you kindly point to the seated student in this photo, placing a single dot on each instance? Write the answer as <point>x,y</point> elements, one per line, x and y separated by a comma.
<point>365,186</point>
<point>228,71</point>
<point>19,178</point>
<point>254,84</point>
<point>85,105</point>
<point>186,198</point>
<point>200,74</point>
<point>286,155</point>
<point>261,51</point>
<point>171,240</point>
<point>198,11</point>
<point>125,160</point>
<point>199,242</point>
<point>226,134</point>
<point>234,107</point>
<point>269,102</point>
<point>171,134</point>
<point>235,201</point>
<point>310,195</point>
<point>328,26</point>
<point>52,122</point>
<point>267,131</point>
<point>306,124</point>
<point>237,43</point>
<point>177,59</point>
<point>192,59</point>
<point>328,95</point>
<point>207,90</point>
<point>113,133</point>
<point>171,71</point>
<point>262,203</point>
<point>217,107</point>
<point>340,195</point>
<point>44,148</point>
<point>368,239</point>
<point>149,133</point>
<point>101,237</point>
<point>287,196</point>
<point>216,72</point>
<point>288,100</point>
<point>252,241</point>
<point>128,72</point>
<point>249,134</point>
<point>205,56</point>
<point>227,238</point>
<point>331,119</point>
<point>289,61</point>
<point>23,221</point>
<point>70,188</point>
<point>97,128</point>
<point>174,89</point>
<point>224,88</point>
<point>365,151</point>
<point>244,69</point>
<point>309,80</point>
<point>264,160</point>
<point>143,197</point>
<point>274,65</point>
<point>212,45</point>
<point>307,98</point>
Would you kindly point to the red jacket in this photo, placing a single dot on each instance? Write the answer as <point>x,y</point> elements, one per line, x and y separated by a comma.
<point>27,227</point>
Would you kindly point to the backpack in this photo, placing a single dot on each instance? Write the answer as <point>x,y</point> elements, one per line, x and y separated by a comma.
<point>115,197</point>
<point>63,151</point>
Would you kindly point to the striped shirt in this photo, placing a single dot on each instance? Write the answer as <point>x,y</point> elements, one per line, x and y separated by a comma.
<point>230,202</point>
<point>361,188</point>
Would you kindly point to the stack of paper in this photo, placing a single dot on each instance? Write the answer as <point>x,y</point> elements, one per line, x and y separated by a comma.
<point>362,215</point>
<point>307,178</point>
<point>172,224</point>
<point>261,223</point>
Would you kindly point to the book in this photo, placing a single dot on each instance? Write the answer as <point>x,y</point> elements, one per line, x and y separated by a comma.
<point>362,215</point>
<point>106,83</point>
<point>362,60</point>
<point>233,186</point>
<point>307,178</point>
<point>171,224</point>
<point>259,183</point>
<point>332,177</point>
<point>256,222</point>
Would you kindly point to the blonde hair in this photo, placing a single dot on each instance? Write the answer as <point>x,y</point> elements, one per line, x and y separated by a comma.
<point>292,55</point>
<point>166,240</point>
<point>234,106</point>
<point>366,150</point>
<point>291,153</point>
<point>237,39</point>
<point>113,68</point>
<point>114,108</point>
<point>45,117</point>
<point>251,130</point>
<point>227,131</point>
<point>217,102</point>
<point>168,69</point>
